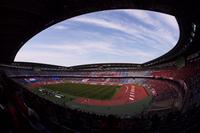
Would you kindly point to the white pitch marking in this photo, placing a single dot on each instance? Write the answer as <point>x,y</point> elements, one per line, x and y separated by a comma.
<point>126,89</point>
<point>131,98</point>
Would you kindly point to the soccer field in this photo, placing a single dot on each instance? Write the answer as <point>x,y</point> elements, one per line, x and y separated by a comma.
<point>103,99</point>
<point>99,92</point>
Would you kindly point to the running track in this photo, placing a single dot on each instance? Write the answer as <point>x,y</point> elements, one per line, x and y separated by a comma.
<point>127,94</point>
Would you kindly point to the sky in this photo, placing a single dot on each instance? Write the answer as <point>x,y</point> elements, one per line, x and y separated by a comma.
<point>112,36</point>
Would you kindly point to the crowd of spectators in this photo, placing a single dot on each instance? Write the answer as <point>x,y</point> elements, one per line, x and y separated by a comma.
<point>18,107</point>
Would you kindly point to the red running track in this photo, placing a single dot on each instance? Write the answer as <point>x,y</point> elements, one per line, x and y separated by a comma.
<point>127,94</point>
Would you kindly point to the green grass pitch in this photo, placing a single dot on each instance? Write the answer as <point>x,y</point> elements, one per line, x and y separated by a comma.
<point>99,92</point>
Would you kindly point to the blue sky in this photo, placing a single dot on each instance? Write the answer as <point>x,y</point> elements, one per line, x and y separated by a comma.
<point>114,36</point>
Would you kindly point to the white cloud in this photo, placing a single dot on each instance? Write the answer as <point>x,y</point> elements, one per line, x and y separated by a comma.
<point>102,47</point>
<point>102,23</point>
<point>59,27</point>
<point>143,16</point>
<point>169,20</point>
<point>69,54</point>
<point>136,30</point>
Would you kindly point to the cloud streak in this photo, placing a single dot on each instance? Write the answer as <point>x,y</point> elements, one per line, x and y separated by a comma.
<point>126,36</point>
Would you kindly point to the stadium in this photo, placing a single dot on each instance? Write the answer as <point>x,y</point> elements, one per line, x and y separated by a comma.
<point>160,95</point>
